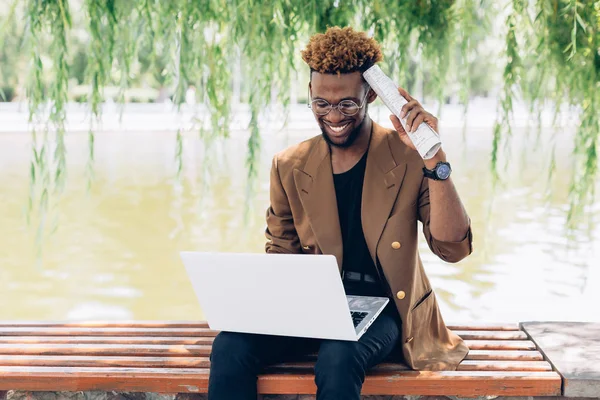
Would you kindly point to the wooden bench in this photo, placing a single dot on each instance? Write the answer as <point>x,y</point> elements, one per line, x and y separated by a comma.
<point>172,357</point>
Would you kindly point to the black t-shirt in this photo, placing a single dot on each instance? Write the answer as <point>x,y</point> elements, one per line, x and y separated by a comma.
<point>356,258</point>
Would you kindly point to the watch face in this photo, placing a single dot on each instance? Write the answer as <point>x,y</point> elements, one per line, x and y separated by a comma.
<point>443,171</point>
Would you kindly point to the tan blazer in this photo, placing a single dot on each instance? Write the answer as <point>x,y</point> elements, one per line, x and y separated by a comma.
<point>303,218</point>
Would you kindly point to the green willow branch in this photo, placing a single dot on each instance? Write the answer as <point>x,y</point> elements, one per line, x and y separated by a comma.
<point>101,20</point>
<point>60,22</point>
<point>512,71</point>
<point>52,18</point>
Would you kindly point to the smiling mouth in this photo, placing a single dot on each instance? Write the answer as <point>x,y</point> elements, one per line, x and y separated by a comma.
<point>339,128</point>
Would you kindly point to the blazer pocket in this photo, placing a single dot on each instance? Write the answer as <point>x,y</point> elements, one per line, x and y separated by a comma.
<point>422,300</point>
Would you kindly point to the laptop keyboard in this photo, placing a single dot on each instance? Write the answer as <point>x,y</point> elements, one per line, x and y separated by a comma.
<point>357,317</point>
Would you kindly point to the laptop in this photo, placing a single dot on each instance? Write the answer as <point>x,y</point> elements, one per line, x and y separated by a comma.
<point>279,294</point>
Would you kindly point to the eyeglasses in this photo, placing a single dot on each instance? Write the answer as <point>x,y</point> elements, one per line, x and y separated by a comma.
<point>346,107</point>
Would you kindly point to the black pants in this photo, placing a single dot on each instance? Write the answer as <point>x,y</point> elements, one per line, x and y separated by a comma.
<point>237,359</point>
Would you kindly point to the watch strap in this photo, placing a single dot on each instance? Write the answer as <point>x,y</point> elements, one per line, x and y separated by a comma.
<point>432,173</point>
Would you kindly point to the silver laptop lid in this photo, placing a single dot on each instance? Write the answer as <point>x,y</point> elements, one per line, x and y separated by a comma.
<point>278,294</point>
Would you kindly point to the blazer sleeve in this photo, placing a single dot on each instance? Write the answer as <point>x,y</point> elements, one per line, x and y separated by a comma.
<point>448,251</point>
<point>280,232</point>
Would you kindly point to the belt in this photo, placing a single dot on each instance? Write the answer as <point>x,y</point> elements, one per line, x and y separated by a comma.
<point>358,276</point>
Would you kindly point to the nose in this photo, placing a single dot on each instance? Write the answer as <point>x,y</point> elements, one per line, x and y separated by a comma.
<point>335,116</point>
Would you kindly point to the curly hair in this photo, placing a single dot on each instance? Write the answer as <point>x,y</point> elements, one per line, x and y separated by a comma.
<point>340,51</point>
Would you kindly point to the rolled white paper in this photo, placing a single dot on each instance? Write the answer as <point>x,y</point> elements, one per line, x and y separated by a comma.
<point>425,139</point>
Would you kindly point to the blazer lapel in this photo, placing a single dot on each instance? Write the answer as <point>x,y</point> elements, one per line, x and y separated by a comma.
<point>317,194</point>
<point>383,179</point>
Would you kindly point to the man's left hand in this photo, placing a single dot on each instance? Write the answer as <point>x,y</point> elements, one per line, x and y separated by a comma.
<point>416,115</point>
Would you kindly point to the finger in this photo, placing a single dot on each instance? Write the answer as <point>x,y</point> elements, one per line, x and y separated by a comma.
<point>417,122</point>
<point>408,107</point>
<point>397,124</point>
<point>412,116</point>
<point>401,132</point>
<point>404,94</point>
<point>432,122</point>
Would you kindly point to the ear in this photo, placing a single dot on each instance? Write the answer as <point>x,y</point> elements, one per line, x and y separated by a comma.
<point>371,96</point>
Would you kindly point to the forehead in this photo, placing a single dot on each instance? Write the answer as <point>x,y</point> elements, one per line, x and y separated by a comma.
<point>334,87</point>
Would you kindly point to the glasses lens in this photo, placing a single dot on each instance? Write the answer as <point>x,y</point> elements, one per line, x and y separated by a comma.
<point>348,107</point>
<point>321,107</point>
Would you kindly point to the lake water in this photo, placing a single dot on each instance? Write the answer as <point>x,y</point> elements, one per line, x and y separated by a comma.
<point>114,254</point>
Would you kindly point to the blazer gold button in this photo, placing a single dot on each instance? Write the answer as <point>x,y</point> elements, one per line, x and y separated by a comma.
<point>396,245</point>
<point>306,247</point>
<point>410,339</point>
<point>401,294</point>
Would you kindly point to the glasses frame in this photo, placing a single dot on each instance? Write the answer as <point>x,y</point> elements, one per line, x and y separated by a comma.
<point>337,106</point>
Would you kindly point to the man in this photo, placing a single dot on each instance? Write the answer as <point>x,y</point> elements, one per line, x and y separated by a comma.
<point>356,192</point>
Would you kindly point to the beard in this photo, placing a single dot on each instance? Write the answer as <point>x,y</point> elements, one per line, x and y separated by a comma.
<point>349,140</point>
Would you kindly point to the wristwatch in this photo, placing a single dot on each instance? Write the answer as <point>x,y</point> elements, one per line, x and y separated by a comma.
<point>440,172</point>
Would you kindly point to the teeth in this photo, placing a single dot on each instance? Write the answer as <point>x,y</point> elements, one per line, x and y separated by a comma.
<point>338,128</point>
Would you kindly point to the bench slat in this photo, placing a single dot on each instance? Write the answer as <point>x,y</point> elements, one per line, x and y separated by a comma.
<point>209,337</point>
<point>104,324</point>
<point>106,350</point>
<point>100,331</point>
<point>204,362</point>
<point>474,384</point>
<point>157,380</point>
<point>204,324</point>
<point>520,355</point>
<point>172,380</point>
<point>183,349</point>
<point>491,355</point>
<point>496,365</point>
<point>467,365</point>
<point>484,327</point>
<point>500,344</point>
<point>484,355</point>
<point>492,335</point>
<point>200,361</point>
<point>105,340</point>
<point>203,339</point>
<point>105,361</point>
<point>496,334</point>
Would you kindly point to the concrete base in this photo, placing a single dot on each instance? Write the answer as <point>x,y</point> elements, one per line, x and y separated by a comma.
<point>573,349</point>
<point>19,395</point>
